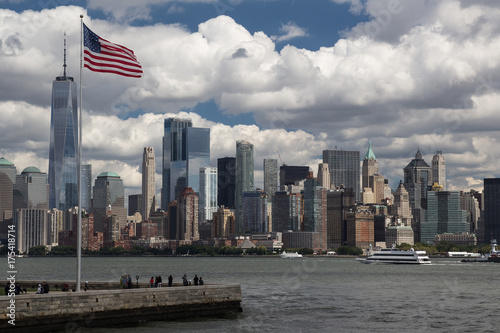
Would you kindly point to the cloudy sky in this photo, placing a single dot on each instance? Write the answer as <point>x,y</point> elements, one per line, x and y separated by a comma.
<point>294,77</point>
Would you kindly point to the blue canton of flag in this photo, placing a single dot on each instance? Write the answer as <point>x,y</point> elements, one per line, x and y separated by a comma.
<point>100,55</point>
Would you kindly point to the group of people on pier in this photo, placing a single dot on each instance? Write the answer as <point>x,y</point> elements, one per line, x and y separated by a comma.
<point>197,281</point>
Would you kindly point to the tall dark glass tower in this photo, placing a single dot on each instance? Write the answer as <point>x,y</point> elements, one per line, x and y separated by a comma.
<point>185,150</point>
<point>344,168</point>
<point>63,153</point>
<point>226,181</point>
<point>491,209</point>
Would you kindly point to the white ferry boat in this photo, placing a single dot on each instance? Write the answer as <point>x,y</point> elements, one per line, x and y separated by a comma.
<point>290,255</point>
<point>396,256</point>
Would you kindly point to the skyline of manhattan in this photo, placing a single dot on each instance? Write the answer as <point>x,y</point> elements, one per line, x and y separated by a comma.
<point>302,101</point>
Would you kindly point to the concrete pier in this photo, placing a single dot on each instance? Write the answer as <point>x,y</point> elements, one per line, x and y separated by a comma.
<point>100,307</point>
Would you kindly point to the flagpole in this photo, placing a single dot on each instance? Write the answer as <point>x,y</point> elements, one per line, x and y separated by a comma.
<point>79,227</point>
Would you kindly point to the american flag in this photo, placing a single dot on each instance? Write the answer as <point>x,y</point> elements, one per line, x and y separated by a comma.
<point>100,55</point>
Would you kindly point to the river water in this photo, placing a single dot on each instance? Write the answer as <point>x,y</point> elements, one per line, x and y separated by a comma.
<point>310,294</point>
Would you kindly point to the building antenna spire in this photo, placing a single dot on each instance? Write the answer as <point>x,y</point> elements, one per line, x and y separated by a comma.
<point>64,65</point>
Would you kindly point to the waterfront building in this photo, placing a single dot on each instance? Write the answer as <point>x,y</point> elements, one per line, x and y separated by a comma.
<point>63,151</point>
<point>303,239</point>
<point>344,169</point>
<point>270,177</point>
<point>369,168</point>
<point>208,193</point>
<point>86,185</point>
<point>443,215</point>
<point>148,183</point>
<point>226,181</point>
<point>324,176</point>
<point>108,195</point>
<point>254,211</point>
<point>339,203</point>
<point>291,175</point>
<point>32,228</point>
<point>223,223</point>
<point>399,234</point>
<point>439,169</point>
<point>31,190</point>
<point>7,181</point>
<point>244,177</point>
<point>287,211</point>
<point>315,207</point>
<point>491,196</point>
<point>360,228</point>
<point>185,150</point>
<point>461,238</point>
<point>187,215</point>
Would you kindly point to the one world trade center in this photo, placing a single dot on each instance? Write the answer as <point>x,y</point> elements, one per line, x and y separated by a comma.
<point>63,155</point>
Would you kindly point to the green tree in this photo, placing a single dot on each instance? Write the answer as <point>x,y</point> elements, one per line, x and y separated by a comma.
<point>39,250</point>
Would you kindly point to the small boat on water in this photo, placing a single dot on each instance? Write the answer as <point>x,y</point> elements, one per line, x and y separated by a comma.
<point>290,255</point>
<point>396,256</point>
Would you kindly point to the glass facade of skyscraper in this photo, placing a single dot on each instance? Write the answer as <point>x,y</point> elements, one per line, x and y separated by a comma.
<point>344,168</point>
<point>31,190</point>
<point>270,177</point>
<point>108,195</point>
<point>491,209</point>
<point>226,181</point>
<point>7,180</point>
<point>186,149</point>
<point>443,215</point>
<point>208,193</point>
<point>244,177</point>
<point>63,153</point>
<point>86,186</point>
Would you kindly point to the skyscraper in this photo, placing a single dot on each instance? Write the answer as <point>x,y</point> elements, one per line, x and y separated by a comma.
<point>7,181</point>
<point>108,196</point>
<point>208,193</point>
<point>324,175</point>
<point>439,169</point>
<point>270,177</point>
<point>344,168</point>
<point>148,182</point>
<point>254,211</point>
<point>226,181</point>
<point>290,174</point>
<point>491,209</point>
<point>244,177</point>
<point>187,215</point>
<point>86,186</point>
<point>63,151</point>
<point>287,211</point>
<point>417,179</point>
<point>401,208</point>
<point>370,166</point>
<point>443,215</point>
<point>185,150</point>
<point>31,190</point>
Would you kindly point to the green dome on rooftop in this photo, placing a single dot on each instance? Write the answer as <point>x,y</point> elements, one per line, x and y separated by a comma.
<point>108,174</point>
<point>31,169</point>
<point>4,161</point>
<point>369,154</point>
